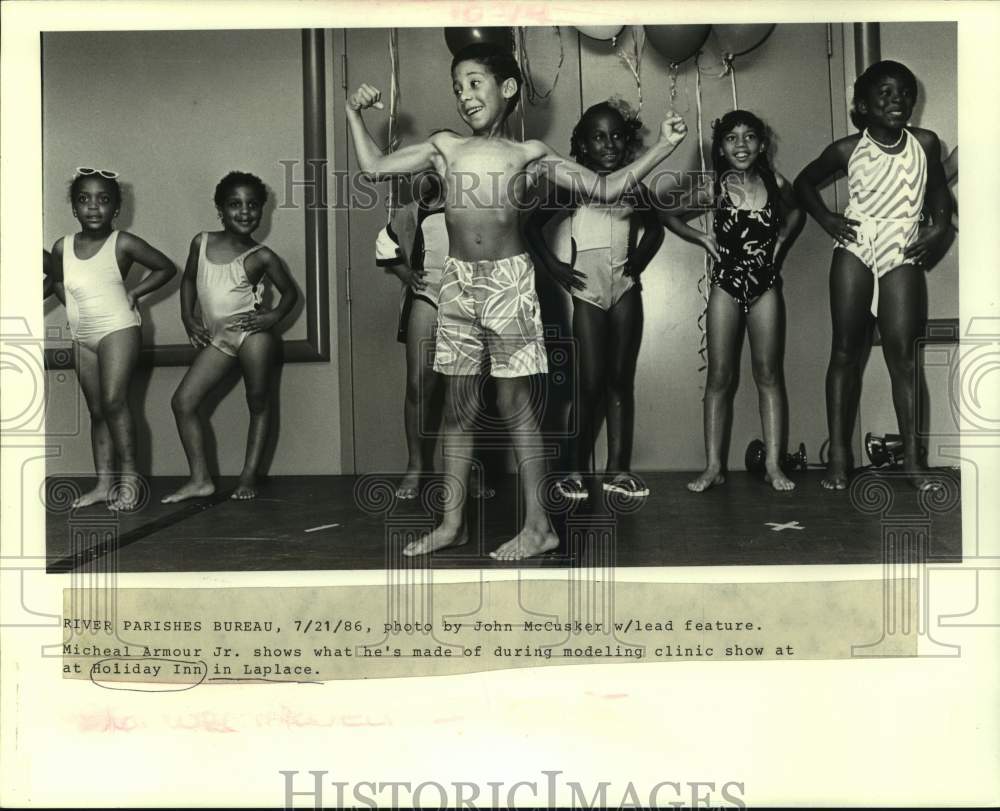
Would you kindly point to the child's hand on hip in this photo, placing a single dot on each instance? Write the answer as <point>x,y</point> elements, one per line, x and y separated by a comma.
<point>567,276</point>
<point>710,245</point>
<point>414,279</point>
<point>197,334</point>
<point>364,97</point>
<point>918,251</point>
<point>133,300</point>
<point>673,130</point>
<point>255,320</point>
<point>840,228</point>
<point>417,282</point>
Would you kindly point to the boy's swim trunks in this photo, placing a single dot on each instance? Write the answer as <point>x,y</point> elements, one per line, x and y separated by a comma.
<point>489,309</point>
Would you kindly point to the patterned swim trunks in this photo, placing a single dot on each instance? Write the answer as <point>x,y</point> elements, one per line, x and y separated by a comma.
<point>489,309</point>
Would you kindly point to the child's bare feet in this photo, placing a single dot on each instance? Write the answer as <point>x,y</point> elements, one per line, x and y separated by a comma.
<point>837,470</point>
<point>478,488</point>
<point>246,489</point>
<point>192,488</point>
<point>778,480</point>
<point>710,477</point>
<point>98,494</point>
<point>409,486</point>
<point>527,543</point>
<point>481,490</point>
<point>921,478</point>
<point>124,496</point>
<point>440,538</point>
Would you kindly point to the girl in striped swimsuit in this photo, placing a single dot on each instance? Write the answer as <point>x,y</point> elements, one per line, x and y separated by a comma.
<point>892,172</point>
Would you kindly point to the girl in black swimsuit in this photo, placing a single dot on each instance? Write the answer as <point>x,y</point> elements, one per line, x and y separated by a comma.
<point>755,212</point>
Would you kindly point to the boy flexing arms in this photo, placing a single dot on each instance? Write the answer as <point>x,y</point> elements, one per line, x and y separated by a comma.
<point>487,305</point>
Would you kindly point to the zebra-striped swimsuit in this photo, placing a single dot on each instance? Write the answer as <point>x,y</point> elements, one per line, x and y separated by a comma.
<point>886,197</point>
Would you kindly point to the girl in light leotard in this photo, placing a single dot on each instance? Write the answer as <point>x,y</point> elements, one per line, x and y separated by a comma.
<point>224,275</point>
<point>892,171</point>
<point>608,255</point>
<point>88,276</point>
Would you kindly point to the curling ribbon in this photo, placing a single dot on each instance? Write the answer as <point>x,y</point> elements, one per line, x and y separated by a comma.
<point>519,57</point>
<point>728,69</point>
<point>634,60</point>
<point>394,97</point>
<point>675,75</point>
<point>731,67</point>
<point>531,89</point>
<point>704,283</point>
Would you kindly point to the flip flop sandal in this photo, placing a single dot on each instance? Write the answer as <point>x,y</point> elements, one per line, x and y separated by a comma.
<point>626,485</point>
<point>573,489</point>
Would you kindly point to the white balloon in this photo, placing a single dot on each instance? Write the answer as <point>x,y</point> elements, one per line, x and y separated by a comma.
<point>603,32</point>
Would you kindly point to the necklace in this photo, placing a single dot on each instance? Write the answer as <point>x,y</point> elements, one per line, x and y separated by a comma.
<point>899,140</point>
<point>748,194</point>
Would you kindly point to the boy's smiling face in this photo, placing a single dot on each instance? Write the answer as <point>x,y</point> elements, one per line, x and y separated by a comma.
<point>482,101</point>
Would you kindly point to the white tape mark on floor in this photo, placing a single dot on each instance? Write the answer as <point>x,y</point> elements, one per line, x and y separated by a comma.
<point>323,526</point>
<point>779,527</point>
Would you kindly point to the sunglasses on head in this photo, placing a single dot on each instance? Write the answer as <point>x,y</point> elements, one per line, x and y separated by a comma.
<point>105,173</point>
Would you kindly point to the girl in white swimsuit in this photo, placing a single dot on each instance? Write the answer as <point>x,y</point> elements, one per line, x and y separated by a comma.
<point>608,254</point>
<point>88,275</point>
<point>224,275</point>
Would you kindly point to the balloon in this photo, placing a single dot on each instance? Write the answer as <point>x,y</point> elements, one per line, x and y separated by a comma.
<point>459,38</point>
<point>677,42</point>
<point>602,32</point>
<point>736,40</point>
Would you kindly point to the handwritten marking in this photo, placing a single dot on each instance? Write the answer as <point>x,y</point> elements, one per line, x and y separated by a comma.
<point>145,675</point>
<point>106,721</point>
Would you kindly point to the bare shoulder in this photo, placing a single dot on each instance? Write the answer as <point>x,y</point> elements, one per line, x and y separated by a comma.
<point>264,254</point>
<point>845,146</point>
<point>263,259</point>
<point>781,181</point>
<point>928,139</point>
<point>444,139</point>
<point>535,149</point>
<point>128,241</point>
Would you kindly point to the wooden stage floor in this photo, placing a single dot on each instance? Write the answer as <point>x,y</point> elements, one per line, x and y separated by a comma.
<point>352,522</point>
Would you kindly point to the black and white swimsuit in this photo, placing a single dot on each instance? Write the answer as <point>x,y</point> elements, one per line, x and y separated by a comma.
<point>746,239</point>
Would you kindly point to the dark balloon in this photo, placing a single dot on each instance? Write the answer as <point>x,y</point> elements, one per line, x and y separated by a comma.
<point>600,32</point>
<point>736,40</point>
<point>459,38</point>
<point>677,42</point>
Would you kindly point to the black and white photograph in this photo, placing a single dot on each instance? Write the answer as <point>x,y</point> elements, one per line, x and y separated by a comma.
<point>400,376</point>
<point>720,363</point>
